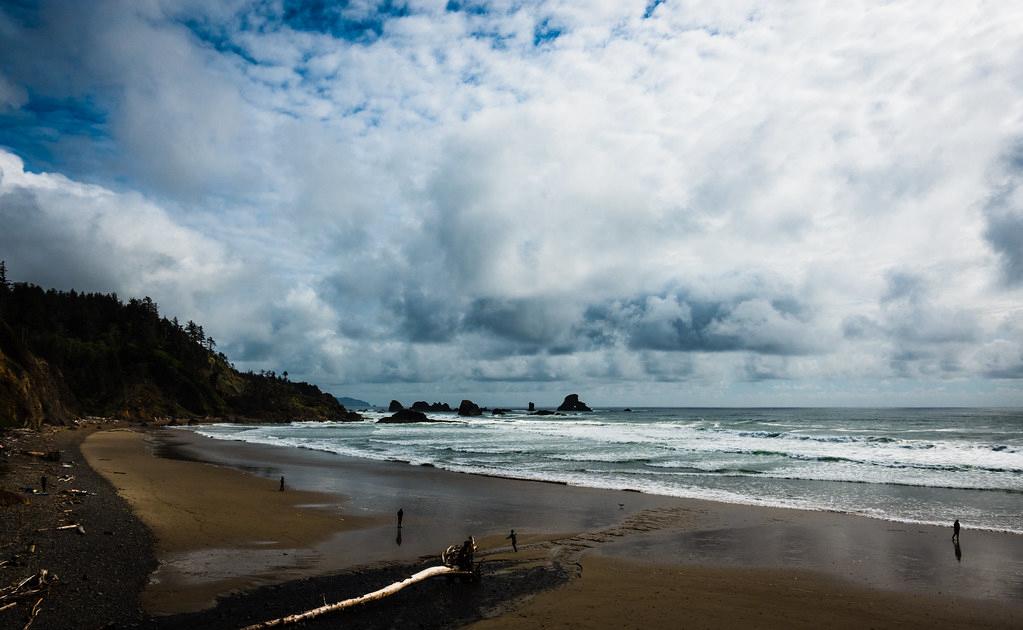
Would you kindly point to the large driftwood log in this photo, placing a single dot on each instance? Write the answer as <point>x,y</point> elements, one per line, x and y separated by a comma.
<point>362,599</point>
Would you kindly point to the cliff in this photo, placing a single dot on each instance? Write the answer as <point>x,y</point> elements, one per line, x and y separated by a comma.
<point>66,354</point>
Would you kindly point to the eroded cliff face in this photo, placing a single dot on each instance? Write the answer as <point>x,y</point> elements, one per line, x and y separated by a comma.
<point>30,393</point>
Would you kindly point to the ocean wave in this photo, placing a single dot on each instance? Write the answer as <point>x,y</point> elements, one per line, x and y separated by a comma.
<point>962,467</point>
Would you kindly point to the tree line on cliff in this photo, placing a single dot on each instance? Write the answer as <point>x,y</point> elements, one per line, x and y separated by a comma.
<point>65,354</point>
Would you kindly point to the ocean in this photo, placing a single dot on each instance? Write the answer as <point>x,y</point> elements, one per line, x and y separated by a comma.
<point>909,465</point>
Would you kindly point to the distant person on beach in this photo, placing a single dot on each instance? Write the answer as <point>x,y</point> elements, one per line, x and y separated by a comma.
<point>465,556</point>
<point>401,515</point>
<point>514,540</point>
<point>955,531</point>
<point>282,483</point>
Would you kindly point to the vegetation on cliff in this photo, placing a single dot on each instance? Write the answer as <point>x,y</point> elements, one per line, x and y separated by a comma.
<point>64,354</point>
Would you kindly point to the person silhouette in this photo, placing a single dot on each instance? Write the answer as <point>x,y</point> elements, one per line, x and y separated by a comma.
<point>282,484</point>
<point>401,515</point>
<point>398,539</point>
<point>465,555</point>
<point>955,531</point>
<point>514,540</point>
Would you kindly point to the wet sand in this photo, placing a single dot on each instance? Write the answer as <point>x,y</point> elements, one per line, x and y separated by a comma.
<point>621,551</point>
<point>217,529</point>
<point>616,593</point>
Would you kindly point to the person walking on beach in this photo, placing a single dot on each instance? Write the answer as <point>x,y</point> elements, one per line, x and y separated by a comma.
<point>401,515</point>
<point>514,540</point>
<point>282,483</point>
<point>465,555</point>
<point>955,531</point>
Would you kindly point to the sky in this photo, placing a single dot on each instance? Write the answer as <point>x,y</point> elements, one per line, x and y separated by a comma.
<point>692,203</point>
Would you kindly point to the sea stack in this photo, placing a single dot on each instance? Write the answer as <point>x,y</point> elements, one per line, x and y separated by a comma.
<point>404,416</point>
<point>395,406</point>
<point>469,408</point>
<point>572,403</point>
<point>422,405</point>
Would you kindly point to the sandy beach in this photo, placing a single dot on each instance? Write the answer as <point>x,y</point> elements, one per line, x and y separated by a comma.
<point>206,519</point>
<point>627,559</point>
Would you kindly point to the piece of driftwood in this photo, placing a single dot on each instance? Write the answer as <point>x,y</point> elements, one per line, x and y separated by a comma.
<point>50,456</point>
<point>34,586</point>
<point>391,589</point>
<point>33,614</point>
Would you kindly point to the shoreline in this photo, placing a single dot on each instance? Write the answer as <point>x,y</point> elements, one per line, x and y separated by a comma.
<point>979,507</point>
<point>711,533</point>
<point>575,544</point>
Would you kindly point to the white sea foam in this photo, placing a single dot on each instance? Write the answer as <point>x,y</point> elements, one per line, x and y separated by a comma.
<point>788,458</point>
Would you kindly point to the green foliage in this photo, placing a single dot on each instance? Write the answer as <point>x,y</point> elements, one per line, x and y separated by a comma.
<point>124,359</point>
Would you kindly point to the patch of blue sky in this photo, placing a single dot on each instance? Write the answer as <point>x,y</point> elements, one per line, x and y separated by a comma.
<point>545,32</point>
<point>339,19</point>
<point>217,38</point>
<point>36,128</point>
<point>472,8</point>
<point>472,77</point>
<point>650,8</point>
<point>498,40</point>
<point>25,12</point>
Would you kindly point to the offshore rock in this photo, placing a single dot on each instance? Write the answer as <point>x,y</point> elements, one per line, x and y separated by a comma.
<point>405,416</point>
<point>572,403</point>
<point>422,405</point>
<point>469,408</point>
<point>395,406</point>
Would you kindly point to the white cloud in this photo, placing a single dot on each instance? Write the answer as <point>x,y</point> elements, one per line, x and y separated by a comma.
<point>444,188</point>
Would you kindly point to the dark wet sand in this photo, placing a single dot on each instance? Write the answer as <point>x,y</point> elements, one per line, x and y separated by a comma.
<point>583,532</point>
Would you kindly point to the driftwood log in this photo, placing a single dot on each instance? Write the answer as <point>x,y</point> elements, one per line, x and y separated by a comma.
<point>391,589</point>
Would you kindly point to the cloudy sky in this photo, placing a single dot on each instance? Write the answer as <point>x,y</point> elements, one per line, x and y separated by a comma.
<point>732,202</point>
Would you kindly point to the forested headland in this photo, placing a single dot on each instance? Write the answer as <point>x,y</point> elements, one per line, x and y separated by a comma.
<point>66,354</point>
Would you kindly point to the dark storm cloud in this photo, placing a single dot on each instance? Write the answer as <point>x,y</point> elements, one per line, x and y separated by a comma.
<point>426,318</point>
<point>532,322</point>
<point>1009,372</point>
<point>1004,213</point>
<point>1005,233</point>
<point>773,325</point>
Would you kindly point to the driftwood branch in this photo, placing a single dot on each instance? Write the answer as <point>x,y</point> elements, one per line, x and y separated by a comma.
<point>362,599</point>
<point>33,614</point>
<point>25,589</point>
